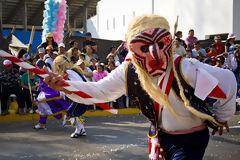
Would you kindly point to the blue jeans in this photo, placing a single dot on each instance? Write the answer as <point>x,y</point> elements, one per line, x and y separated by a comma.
<point>186,146</point>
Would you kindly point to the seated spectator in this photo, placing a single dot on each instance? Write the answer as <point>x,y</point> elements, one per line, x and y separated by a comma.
<point>198,52</point>
<point>86,70</point>
<point>110,59</point>
<point>188,53</point>
<point>20,56</point>
<point>99,73</point>
<point>178,49</point>
<point>114,52</point>
<point>72,44</point>
<point>9,79</point>
<point>220,61</point>
<point>49,61</point>
<point>229,45</point>
<point>61,49</point>
<point>83,57</point>
<point>89,53</point>
<point>49,41</point>
<point>41,53</point>
<point>218,44</point>
<point>74,58</point>
<point>93,64</point>
<point>213,52</point>
<point>190,39</point>
<point>179,35</point>
<point>48,52</point>
<point>90,42</point>
<point>110,67</point>
<point>33,79</point>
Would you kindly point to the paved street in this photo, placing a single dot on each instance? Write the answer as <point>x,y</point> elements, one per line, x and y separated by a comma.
<point>118,137</point>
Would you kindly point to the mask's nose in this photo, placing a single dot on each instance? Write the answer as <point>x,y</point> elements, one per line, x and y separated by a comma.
<point>154,49</point>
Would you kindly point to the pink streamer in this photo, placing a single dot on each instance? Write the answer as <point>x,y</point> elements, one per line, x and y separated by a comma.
<point>59,33</point>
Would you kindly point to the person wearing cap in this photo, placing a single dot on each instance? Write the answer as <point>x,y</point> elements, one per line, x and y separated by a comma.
<point>49,61</point>
<point>229,45</point>
<point>48,50</point>
<point>49,41</point>
<point>72,44</point>
<point>218,44</point>
<point>9,79</point>
<point>61,49</point>
<point>89,42</point>
<point>41,53</point>
<point>87,72</point>
<point>170,90</point>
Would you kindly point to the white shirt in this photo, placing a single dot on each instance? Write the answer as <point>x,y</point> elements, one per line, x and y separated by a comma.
<point>114,85</point>
<point>180,50</point>
<point>49,61</point>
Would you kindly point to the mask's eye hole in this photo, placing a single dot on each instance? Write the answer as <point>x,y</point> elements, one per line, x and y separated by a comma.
<point>145,48</point>
<point>160,44</point>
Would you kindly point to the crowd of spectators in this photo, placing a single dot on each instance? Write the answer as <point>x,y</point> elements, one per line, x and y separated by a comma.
<point>18,81</point>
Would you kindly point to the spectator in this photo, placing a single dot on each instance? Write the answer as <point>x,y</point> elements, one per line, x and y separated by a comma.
<point>20,56</point>
<point>49,61</point>
<point>89,42</point>
<point>93,64</point>
<point>213,52</point>
<point>110,67</point>
<point>83,57</point>
<point>188,53</point>
<point>90,54</point>
<point>110,59</point>
<point>49,41</point>
<point>86,70</point>
<point>220,61</point>
<point>229,45</point>
<point>179,35</point>
<point>74,58</point>
<point>218,44</point>
<point>41,53</point>
<point>114,52</point>
<point>178,49</point>
<point>99,73</point>
<point>61,49</point>
<point>33,79</point>
<point>198,52</point>
<point>48,52</point>
<point>72,44</point>
<point>190,39</point>
<point>9,79</point>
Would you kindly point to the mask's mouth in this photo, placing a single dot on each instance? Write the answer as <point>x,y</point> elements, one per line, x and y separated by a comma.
<point>154,65</point>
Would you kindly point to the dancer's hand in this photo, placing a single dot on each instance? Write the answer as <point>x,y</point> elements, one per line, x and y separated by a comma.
<point>54,80</point>
<point>220,130</point>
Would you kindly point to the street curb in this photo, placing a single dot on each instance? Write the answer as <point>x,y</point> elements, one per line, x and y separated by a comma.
<point>27,117</point>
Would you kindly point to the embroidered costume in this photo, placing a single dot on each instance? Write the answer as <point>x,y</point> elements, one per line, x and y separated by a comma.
<point>171,91</point>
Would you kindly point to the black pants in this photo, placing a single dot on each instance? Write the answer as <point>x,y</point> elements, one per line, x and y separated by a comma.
<point>27,98</point>
<point>7,91</point>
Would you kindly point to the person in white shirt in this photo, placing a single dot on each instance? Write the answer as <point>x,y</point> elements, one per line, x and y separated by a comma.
<point>49,60</point>
<point>179,49</point>
<point>172,91</point>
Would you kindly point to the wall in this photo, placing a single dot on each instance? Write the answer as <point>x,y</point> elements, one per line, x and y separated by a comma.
<point>204,16</point>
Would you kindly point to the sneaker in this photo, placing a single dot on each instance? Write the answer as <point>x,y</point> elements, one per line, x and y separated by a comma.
<point>76,135</point>
<point>64,120</point>
<point>239,122</point>
<point>38,126</point>
<point>30,111</point>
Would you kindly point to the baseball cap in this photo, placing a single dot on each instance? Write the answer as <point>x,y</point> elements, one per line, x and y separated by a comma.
<point>61,45</point>
<point>55,52</point>
<point>49,47</point>
<point>88,34</point>
<point>79,62</point>
<point>7,63</point>
<point>217,37</point>
<point>41,50</point>
<point>49,35</point>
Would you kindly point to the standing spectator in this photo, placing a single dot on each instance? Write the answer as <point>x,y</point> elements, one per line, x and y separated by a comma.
<point>33,79</point>
<point>99,73</point>
<point>90,54</point>
<point>114,52</point>
<point>9,79</point>
<point>87,72</point>
<point>110,59</point>
<point>198,52</point>
<point>218,44</point>
<point>180,50</point>
<point>229,45</point>
<point>89,42</point>
<point>61,49</point>
<point>72,44</point>
<point>83,57</point>
<point>20,56</point>
<point>213,52</point>
<point>190,39</point>
<point>182,42</point>
<point>49,41</point>
<point>49,61</point>
<point>74,58</point>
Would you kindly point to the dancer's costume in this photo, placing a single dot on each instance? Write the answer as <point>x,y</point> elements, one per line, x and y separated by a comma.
<point>175,101</point>
<point>76,110</point>
<point>50,103</point>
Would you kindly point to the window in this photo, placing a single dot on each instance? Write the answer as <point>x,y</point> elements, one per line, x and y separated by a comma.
<point>107,25</point>
<point>113,23</point>
<point>133,13</point>
<point>123,20</point>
